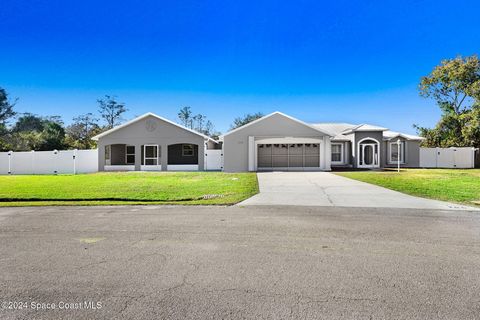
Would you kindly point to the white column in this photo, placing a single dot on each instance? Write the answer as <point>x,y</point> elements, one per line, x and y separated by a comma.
<point>327,153</point>
<point>251,153</point>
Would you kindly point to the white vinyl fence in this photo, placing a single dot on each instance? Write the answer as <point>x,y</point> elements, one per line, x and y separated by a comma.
<point>49,162</point>
<point>447,157</point>
<point>213,159</point>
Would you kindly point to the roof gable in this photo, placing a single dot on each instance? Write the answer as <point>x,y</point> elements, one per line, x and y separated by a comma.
<point>144,116</point>
<point>277,113</point>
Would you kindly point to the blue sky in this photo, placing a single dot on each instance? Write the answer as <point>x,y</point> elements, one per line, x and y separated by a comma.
<point>319,61</point>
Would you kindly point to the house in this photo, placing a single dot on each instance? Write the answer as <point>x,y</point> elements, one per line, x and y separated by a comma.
<point>280,142</point>
<point>274,142</point>
<point>152,143</point>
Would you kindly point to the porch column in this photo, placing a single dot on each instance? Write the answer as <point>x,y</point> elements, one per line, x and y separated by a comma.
<point>138,157</point>
<point>164,156</point>
<point>101,156</point>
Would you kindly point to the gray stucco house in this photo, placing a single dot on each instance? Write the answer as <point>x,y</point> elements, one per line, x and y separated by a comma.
<point>152,143</point>
<point>273,142</point>
<point>280,142</point>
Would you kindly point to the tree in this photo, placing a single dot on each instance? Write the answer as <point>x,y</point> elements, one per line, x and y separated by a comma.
<point>185,116</point>
<point>454,84</point>
<point>455,87</point>
<point>81,131</point>
<point>28,122</point>
<point>6,107</point>
<point>111,111</point>
<point>241,121</point>
<point>53,136</point>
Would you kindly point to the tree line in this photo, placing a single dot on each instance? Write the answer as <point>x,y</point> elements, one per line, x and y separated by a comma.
<point>28,131</point>
<point>454,85</point>
<point>33,132</point>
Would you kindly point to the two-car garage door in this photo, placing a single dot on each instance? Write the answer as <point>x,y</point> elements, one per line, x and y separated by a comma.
<point>288,156</point>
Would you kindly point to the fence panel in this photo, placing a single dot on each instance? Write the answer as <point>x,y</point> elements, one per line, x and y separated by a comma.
<point>49,162</point>
<point>428,157</point>
<point>447,157</point>
<point>213,159</point>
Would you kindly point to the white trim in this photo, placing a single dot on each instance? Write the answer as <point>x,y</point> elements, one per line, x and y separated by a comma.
<point>150,158</point>
<point>252,153</point>
<point>377,155</point>
<point>151,167</point>
<point>129,154</point>
<point>103,134</point>
<point>341,152</point>
<point>119,168</point>
<point>288,140</point>
<point>402,152</point>
<point>182,167</point>
<point>108,161</point>
<point>282,114</point>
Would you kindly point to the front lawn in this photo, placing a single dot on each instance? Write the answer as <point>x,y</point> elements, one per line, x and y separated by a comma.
<point>128,188</point>
<point>455,185</point>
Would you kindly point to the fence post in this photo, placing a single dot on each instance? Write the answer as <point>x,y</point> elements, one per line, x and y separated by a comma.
<point>10,161</point>
<point>74,161</point>
<point>33,161</point>
<point>55,152</point>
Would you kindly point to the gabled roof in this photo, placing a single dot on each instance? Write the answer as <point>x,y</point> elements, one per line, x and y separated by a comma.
<point>335,128</point>
<point>149,114</point>
<point>390,135</point>
<point>283,115</point>
<point>364,127</point>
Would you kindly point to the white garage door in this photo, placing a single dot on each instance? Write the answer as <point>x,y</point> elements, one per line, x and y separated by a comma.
<point>288,156</point>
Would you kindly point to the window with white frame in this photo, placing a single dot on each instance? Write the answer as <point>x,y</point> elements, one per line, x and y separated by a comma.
<point>187,150</point>
<point>130,155</point>
<point>394,152</point>
<point>108,153</point>
<point>337,152</point>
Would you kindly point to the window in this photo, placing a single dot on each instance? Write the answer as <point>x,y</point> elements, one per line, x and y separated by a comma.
<point>108,152</point>
<point>187,150</point>
<point>130,155</point>
<point>394,156</point>
<point>337,152</point>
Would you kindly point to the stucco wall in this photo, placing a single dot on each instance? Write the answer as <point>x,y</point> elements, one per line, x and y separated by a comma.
<point>358,136</point>
<point>412,154</point>
<point>150,130</point>
<point>235,145</point>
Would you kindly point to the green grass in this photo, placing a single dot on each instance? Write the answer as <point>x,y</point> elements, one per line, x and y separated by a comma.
<point>208,188</point>
<point>454,185</point>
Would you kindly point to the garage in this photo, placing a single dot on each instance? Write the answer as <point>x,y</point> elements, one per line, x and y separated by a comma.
<point>288,156</point>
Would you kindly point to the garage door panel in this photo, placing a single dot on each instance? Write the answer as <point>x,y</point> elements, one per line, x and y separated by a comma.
<point>264,161</point>
<point>288,155</point>
<point>280,161</point>
<point>312,161</point>
<point>296,161</point>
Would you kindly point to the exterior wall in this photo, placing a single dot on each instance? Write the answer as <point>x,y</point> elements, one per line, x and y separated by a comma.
<point>360,135</point>
<point>235,145</point>
<point>412,154</point>
<point>150,130</point>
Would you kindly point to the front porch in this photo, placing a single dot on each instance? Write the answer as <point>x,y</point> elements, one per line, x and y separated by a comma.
<point>151,157</point>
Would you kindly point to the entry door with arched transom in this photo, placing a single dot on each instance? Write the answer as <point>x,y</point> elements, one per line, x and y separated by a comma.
<point>368,154</point>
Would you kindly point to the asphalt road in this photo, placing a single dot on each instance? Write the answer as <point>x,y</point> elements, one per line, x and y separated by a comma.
<point>235,263</point>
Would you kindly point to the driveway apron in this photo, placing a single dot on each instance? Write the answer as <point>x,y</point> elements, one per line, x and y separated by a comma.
<point>327,189</point>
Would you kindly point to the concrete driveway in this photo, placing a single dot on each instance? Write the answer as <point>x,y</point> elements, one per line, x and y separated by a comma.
<point>327,189</point>
<point>215,262</point>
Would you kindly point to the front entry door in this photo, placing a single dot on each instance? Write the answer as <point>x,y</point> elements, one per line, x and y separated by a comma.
<point>368,155</point>
<point>150,155</point>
